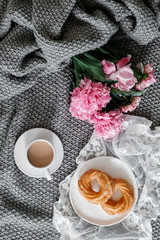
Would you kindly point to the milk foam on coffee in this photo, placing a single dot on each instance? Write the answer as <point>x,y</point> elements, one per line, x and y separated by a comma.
<point>40,154</point>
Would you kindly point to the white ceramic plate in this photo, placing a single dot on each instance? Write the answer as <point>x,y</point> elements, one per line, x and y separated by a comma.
<point>94,213</point>
<point>23,142</point>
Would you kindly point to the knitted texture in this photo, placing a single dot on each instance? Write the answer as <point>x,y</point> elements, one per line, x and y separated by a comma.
<point>37,39</point>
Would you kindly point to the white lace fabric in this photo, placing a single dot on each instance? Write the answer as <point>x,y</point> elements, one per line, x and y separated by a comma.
<point>139,147</point>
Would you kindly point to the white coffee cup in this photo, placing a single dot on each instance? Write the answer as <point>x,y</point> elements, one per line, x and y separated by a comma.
<point>40,155</point>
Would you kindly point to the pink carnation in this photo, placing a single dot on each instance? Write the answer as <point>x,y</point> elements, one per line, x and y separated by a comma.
<point>149,80</point>
<point>131,107</point>
<point>88,99</point>
<point>108,124</point>
<point>121,73</point>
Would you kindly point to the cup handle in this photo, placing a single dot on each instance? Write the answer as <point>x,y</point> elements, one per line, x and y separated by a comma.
<point>48,174</point>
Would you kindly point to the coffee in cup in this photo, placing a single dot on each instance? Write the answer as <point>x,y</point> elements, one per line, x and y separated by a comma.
<point>40,154</point>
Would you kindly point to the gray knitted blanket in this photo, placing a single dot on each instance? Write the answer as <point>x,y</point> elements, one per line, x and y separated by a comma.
<point>37,39</point>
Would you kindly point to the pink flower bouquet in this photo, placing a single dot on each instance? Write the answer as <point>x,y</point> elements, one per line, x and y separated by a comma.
<point>107,85</point>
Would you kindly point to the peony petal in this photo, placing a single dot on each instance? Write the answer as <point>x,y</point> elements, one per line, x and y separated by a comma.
<point>125,73</point>
<point>86,79</point>
<point>75,92</point>
<point>123,62</point>
<point>108,67</point>
<point>131,107</point>
<point>108,124</point>
<point>148,68</point>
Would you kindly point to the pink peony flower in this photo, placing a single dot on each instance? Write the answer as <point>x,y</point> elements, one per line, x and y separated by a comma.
<point>124,74</point>
<point>131,107</point>
<point>108,67</point>
<point>149,80</point>
<point>108,124</point>
<point>88,98</point>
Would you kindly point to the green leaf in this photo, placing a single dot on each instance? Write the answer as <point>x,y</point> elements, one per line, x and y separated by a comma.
<point>109,56</point>
<point>145,76</point>
<point>90,77</point>
<point>117,52</point>
<point>101,49</point>
<point>138,94</point>
<point>73,85</point>
<point>134,68</point>
<point>110,82</point>
<point>114,52</point>
<point>119,92</point>
<point>131,94</point>
<point>136,72</point>
<point>91,57</point>
<point>138,77</point>
<point>77,71</point>
<point>142,68</point>
<point>92,67</point>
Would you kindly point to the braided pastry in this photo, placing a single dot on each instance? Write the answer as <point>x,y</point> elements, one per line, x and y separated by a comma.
<point>104,182</point>
<point>125,203</point>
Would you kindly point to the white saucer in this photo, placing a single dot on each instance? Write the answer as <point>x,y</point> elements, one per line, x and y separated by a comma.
<point>23,142</point>
<point>94,213</point>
